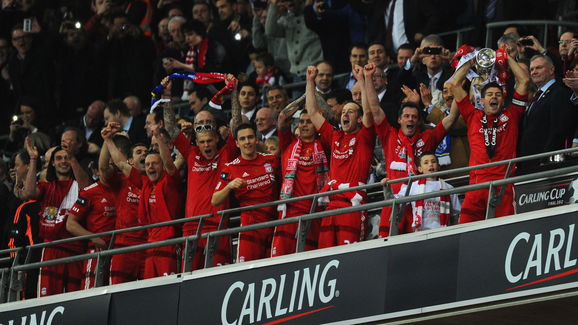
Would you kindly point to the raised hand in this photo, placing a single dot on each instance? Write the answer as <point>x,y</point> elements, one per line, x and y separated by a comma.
<point>311,73</point>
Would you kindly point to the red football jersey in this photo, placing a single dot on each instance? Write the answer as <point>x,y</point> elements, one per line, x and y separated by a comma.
<point>306,172</point>
<point>96,205</point>
<point>52,218</point>
<point>128,191</point>
<point>506,140</point>
<point>161,201</point>
<point>392,148</point>
<point>351,154</point>
<point>203,176</point>
<point>261,177</point>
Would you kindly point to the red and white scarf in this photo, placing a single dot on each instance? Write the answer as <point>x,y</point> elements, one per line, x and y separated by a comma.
<point>196,57</point>
<point>406,149</point>
<point>355,197</point>
<point>321,169</point>
<point>417,211</point>
<point>266,78</point>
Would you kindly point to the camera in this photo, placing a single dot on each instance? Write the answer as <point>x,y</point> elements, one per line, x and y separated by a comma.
<point>432,50</point>
<point>17,120</point>
<point>526,42</point>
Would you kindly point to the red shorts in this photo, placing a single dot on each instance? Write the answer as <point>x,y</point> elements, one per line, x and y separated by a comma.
<point>285,240</point>
<point>161,261</point>
<point>222,255</point>
<point>475,203</point>
<point>58,278</point>
<point>254,244</point>
<point>127,267</point>
<point>343,228</point>
<point>88,272</point>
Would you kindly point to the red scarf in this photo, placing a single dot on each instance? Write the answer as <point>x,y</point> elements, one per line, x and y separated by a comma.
<point>196,56</point>
<point>418,209</point>
<point>265,79</point>
<point>407,148</point>
<point>293,163</point>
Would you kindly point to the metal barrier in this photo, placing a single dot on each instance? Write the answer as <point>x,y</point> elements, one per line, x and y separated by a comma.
<point>11,284</point>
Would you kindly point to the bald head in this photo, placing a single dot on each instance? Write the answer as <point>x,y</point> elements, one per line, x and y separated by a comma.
<point>133,104</point>
<point>205,117</point>
<point>265,120</point>
<point>94,114</point>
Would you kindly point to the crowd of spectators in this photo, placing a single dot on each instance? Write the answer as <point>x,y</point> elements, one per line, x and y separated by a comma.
<point>86,151</point>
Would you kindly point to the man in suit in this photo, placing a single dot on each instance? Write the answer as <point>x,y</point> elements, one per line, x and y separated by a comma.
<point>116,111</point>
<point>91,123</point>
<point>388,97</point>
<point>266,123</point>
<point>550,119</point>
<point>411,20</point>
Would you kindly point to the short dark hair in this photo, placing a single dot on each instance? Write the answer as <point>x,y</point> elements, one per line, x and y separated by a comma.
<point>117,105</point>
<point>243,126</point>
<point>139,144</point>
<point>426,153</point>
<point>411,105</point>
<point>275,87</point>
<point>489,85</point>
<point>123,144</point>
<point>405,46</point>
<point>195,26</point>
<point>158,114</point>
<point>357,45</point>
<point>202,92</point>
<point>249,84</point>
<point>266,58</point>
<point>375,43</point>
<point>341,95</point>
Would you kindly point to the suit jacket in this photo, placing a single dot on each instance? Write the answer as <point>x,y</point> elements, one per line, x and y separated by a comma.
<point>390,106</point>
<point>549,123</point>
<point>418,16</point>
<point>136,132</point>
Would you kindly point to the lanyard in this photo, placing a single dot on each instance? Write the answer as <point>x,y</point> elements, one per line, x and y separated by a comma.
<point>490,142</point>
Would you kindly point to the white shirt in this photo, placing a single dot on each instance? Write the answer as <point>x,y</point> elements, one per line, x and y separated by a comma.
<point>431,207</point>
<point>250,113</point>
<point>398,36</point>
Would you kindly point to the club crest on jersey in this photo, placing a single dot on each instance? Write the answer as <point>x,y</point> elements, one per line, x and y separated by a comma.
<point>268,168</point>
<point>224,175</point>
<point>420,143</point>
<point>504,118</point>
<point>81,201</point>
<point>352,142</point>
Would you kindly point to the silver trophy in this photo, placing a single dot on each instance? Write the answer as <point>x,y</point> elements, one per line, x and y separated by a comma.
<point>485,60</point>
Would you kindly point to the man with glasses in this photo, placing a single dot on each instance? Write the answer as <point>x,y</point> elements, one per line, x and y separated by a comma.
<point>204,161</point>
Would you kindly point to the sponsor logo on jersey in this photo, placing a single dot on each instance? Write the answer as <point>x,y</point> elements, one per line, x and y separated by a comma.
<point>81,201</point>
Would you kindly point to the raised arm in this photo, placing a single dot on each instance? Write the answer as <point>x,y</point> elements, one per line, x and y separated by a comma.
<point>30,192</point>
<point>310,100</point>
<point>236,118</point>
<point>283,120</point>
<point>168,112</point>
<point>104,167</point>
<point>368,95</point>
<point>79,173</point>
<point>118,158</point>
<point>522,76</point>
<point>165,152</point>
<point>452,117</point>
<point>458,78</point>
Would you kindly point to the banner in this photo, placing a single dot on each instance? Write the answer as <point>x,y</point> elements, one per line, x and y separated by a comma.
<point>549,193</point>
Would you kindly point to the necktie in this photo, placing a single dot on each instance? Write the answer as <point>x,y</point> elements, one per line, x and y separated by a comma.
<point>534,101</point>
<point>389,27</point>
<point>432,84</point>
